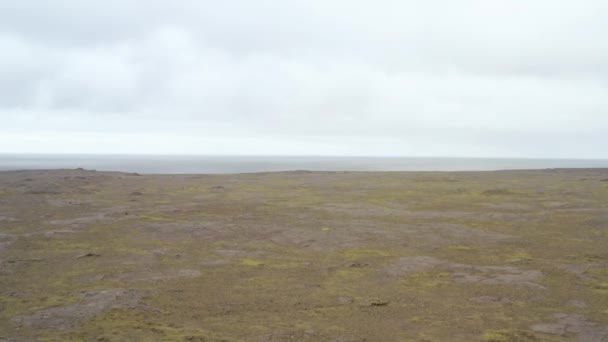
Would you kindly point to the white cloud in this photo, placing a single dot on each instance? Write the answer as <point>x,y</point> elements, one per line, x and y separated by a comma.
<point>470,78</point>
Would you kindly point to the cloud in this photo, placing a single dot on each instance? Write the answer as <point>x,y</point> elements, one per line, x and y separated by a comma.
<point>472,78</point>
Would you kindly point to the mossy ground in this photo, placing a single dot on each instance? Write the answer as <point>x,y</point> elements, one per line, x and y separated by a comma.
<point>303,256</point>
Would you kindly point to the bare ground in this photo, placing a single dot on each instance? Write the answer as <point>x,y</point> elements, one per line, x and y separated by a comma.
<point>304,256</point>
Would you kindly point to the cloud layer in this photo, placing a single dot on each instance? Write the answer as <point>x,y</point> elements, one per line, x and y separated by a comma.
<point>466,78</point>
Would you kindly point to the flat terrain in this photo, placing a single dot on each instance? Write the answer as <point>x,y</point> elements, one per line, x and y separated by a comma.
<point>304,256</point>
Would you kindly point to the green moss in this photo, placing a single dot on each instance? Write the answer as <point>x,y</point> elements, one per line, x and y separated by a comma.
<point>495,336</point>
<point>251,262</point>
<point>154,218</point>
<point>424,280</point>
<point>461,248</point>
<point>520,257</point>
<point>129,325</point>
<point>349,273</point>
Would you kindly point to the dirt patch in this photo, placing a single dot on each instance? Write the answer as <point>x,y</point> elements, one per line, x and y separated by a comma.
<point>569,324</point>
<point>106,216</point>
<point>93,303</point>
<point>577,304</point>
<point>215,262</point>
<point>345,300</point>
<point>490,275</point>
<point>408,265</point>
<point>495,275</point>
<point>80,221</point>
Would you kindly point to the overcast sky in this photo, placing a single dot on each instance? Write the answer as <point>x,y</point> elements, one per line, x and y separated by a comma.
<point>510,78</point>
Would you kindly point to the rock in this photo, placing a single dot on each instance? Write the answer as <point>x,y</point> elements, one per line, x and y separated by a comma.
<point>375,302</point>
<point>218,188</point>
<point>88,255</point>
<point>345,300</point>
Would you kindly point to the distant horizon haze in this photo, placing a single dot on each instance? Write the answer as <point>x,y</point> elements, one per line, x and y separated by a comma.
<point>182,164</point>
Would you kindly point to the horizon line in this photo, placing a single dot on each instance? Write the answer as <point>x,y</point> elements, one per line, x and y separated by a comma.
<point>108,154</point>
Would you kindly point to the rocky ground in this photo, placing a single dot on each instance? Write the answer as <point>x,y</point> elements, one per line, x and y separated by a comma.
<point>304,256</point>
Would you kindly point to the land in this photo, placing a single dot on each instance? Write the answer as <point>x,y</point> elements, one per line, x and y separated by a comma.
<point>304,256</point>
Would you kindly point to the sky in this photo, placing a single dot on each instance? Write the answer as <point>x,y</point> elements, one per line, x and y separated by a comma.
<point>475,78</point>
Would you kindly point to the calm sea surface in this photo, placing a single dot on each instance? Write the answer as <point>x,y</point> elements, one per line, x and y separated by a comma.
<point>240,164</point>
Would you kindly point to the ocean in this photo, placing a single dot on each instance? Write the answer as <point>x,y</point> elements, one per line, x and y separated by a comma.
<point>153,164</point>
